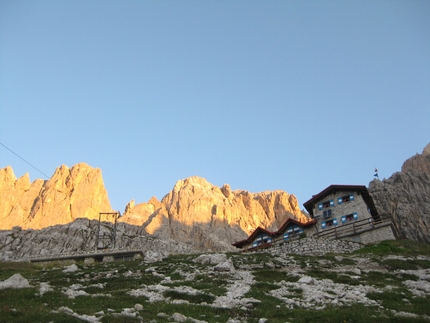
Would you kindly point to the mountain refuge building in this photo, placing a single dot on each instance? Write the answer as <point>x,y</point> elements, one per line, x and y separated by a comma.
<point>344,212</point>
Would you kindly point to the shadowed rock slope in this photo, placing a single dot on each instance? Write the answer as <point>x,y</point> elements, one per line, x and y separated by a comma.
<point>80,237</point>
<point>406,196</point>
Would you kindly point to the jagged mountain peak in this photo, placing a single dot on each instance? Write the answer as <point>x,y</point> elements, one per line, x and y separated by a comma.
<point>426,150</point>
<point>69,194</point>
<point>418,163</point>
<point>405,196</point>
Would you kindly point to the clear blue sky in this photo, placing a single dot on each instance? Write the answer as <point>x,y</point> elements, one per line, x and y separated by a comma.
<point>263,95</point>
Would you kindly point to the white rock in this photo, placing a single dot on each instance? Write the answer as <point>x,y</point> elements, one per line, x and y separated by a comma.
<point>65,310</point>
<point>44,288</point>
<point>70,269</point>
<point>178,317</point>
<point>138,307</point>
<point>131,312</point>
<point>195,320</point>
<point>162,314</point>
<point>15,281</point>
<point>212,259</point>
<point>226,266</point>
<point>306,280</point>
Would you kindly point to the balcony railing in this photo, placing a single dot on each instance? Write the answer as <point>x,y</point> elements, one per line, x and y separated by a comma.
<point>353,227</point>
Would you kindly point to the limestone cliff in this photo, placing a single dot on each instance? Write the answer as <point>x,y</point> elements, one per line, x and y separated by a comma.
<point>406,196</point>
<point>209,217</point>
<point>69,194</point>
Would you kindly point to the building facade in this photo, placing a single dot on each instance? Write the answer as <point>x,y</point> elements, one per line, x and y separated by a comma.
<point>347,212</point>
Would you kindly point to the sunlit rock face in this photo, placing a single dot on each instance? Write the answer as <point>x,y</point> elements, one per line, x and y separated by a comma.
<point>209,217</point>
<point>69,194</point>
<point>194,211</point>
<point>406,196</point>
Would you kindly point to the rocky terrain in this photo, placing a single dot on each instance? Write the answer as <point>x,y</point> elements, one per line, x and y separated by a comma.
<point>79,237</point>
<point>389,282</point>
<point>406,196</point>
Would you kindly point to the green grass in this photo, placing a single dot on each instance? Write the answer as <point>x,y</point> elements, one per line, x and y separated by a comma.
<point>194,299</point>
<point>396,247</point>
<point>335,277</point>
<point>396,301</point>
<point>405,264</point>
<point>26,305</point>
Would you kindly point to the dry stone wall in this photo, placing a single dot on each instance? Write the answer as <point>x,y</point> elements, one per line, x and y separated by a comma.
<point>315,246</point>
<point>378,234</point>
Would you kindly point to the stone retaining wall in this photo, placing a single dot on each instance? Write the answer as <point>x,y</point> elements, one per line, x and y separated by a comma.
<point>378,234</point>
<point>315,246</point>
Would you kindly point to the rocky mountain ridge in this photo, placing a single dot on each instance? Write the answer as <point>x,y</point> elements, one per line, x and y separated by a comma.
<point>69,194</point>
<point>195,212</point>
<point>206,216</point>
<point>406,197</point>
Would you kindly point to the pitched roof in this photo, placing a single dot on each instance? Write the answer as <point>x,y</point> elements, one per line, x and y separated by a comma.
<point>252,236</point>
<point>281,230</point>
<point>332,189</point>
<point>302,224</point>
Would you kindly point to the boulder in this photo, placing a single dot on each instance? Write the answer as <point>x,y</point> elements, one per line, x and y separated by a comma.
<point>226,266</point>
<point>15,281</point>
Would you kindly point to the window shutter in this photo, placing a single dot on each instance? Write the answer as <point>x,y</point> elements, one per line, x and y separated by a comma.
<point>323,225</point>
<point>343,218</point>
<point>351,197</point>
<point>320,206</point>
<point>355,216</point>
<point>334,221</point>
<point>331,203</point>
<point>339,200</point>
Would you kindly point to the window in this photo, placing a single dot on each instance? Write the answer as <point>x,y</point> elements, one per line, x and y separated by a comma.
<point>329,223</point>
<point>349,217</point>
<point>326,214</point>
<point>326,204</point>
<point>345,199</point>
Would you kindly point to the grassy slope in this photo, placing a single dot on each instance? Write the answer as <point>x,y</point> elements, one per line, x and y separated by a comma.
<point>25,305</point>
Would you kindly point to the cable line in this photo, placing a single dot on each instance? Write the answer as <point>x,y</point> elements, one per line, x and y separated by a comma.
<point>47,177</point>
